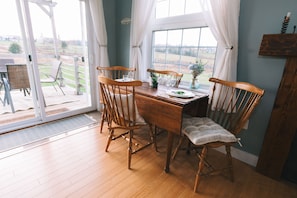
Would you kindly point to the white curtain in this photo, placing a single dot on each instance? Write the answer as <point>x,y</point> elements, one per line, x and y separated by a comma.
<point>98,39</point>
<point>100,49</point>
<point>222,17</point>
<point>142,15</point>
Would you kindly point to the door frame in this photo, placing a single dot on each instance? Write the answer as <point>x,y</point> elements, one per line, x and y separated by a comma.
<point>30,49</point>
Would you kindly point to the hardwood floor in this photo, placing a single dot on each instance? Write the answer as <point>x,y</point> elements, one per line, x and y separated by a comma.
<point>77,166</point>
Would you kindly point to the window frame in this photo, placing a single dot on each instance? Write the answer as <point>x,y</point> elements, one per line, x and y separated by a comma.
<point>194,20</point>
<point>177,22</point>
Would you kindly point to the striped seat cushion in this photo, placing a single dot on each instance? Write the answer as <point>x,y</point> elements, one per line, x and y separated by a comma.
<point>203,130</point>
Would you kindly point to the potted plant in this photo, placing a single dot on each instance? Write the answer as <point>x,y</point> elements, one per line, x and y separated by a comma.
<point>196,69</point>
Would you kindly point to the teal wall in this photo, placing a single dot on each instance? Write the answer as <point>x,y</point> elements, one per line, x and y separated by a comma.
<point>118,35</point>
<point>110,16</point>
<point>257,17</point>
<point>123,9</point>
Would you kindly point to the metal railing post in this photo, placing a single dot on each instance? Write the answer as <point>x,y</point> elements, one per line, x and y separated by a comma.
<point>76,76</point>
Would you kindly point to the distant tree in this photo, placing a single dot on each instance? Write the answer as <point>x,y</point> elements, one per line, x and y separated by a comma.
<point>15,48</point>
<point>64,45</point>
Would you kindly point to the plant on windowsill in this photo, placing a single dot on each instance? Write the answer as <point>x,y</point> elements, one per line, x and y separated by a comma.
<point>197,69</point>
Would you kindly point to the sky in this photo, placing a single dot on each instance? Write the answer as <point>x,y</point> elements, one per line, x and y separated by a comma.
<point>66,15</point>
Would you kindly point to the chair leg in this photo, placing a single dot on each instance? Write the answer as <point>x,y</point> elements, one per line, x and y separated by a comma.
<point>130,149</point>
<point>180,141</point>
<point>61,89</point>
<point>7,95</point>
<point>58,86</point>
<point>189,147</point>
<point>153,136</point>
<point>200,168</point>
<point>229,161</point>
<point>103,117</point>
<point>26,91</point>
<point>111,132</point>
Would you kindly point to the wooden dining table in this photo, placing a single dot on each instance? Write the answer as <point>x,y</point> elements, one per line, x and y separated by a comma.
<point>160,109</point>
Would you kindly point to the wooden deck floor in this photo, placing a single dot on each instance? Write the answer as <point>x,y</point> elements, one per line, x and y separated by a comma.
<point>70,102</point>
<point>77,166</point>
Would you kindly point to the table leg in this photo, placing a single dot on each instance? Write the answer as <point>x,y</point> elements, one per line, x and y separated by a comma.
<point>169,150</point>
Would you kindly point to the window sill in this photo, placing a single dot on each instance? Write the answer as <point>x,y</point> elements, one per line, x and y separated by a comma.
<point>202,88</point>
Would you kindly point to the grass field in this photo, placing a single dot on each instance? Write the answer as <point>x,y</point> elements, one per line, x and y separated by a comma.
<point>174,62</point>
<point>180,63</point>
<point>45,57</point>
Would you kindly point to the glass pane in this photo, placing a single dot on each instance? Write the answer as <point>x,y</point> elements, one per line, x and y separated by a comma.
<point>159,55</point>
<point>173,67</point>
<point>191,37</point>
<point>162,8</point>
<point>177,7</point>
<point>59,36</point>
<point>166,8</point>
<point>192,6</point>
<point>173,57</point>
<point>8,28</point>
<point>183,49</point>
<point>15,90</point>
<point>160,38</point>
<point>11,42</point>
<point>207,39</point>
<point>207,56</point>
<point>188,56</point>
<point>174,38</point>
<point>159,66</point>
<point>159,58</point>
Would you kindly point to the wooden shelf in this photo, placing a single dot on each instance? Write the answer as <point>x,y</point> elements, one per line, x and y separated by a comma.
<point>279,45</point>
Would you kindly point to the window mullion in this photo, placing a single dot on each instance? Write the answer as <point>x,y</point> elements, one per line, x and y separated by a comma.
<point>166,54</point>
<point>196,41</point>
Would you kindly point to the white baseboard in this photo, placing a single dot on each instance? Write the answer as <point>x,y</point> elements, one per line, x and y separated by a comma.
<point>241,155</point>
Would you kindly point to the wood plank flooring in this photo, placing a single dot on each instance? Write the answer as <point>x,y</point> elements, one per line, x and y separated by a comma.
<point>77,166</point>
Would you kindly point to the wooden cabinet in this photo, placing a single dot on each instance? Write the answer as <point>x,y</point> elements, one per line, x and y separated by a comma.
<point>283,121</point>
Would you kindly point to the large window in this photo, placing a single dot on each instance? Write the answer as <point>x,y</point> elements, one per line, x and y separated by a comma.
<point>168,8</point>
<point>181,38</point>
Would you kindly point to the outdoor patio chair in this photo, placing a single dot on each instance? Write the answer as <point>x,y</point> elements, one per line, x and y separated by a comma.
<point>3,69</point>
<point>7,96</point>
<point>18,77</point>
<point>54,75</point>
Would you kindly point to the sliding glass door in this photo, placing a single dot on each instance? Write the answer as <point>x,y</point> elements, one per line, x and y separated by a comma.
<point>53,47</point>
<point>12,54</point>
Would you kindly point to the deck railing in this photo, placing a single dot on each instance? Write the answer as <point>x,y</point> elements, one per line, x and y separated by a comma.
<point>73,75</point>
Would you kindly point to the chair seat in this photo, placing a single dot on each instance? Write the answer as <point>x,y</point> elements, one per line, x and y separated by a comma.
<point>230,107</point>
<point>122,113</point>
<point>203,130</point>
<point>47,80</point>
